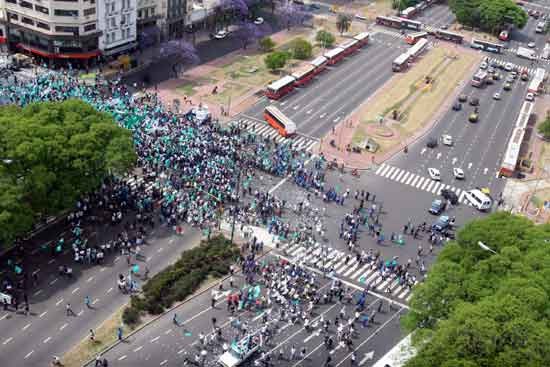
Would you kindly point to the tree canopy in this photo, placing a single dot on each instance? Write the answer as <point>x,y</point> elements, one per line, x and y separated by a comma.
<point>50,154</point>
<point>479,308</point>
<point>489,15</point>
<point>301,49</point>
<point>325,38</point>
<point>544,128</point>
<point>276,60</point>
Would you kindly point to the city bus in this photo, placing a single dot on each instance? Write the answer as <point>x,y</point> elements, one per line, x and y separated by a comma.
<point>479,78</point>
<point>417,49</point>
<point>349,46</point>
<point>449,36</point>
<point>303,74</point>
<point>280,87</point>
<point>362,38</point>
<point>279,121</point>
<point>320,64</point>
<point>412,38</point>
<point>409,12</point>
<point>335,55</point>
<point>411,24</point>
<point>389,21</point>
<point>401,62</point>
<point>487,46</point>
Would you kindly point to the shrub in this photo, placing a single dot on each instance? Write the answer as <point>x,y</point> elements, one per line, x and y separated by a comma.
<point>267,44</point>
<point>325,38</point>
<point>276,60</point>
<point>301,49</point>
<point>130,316</point>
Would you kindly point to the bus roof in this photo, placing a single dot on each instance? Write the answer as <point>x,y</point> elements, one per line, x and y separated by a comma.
<point>318,61</point>
<point>283,82</point>
<point>334,52</point>
<point>481,74</point>
<point>500,45</point>
<point>303,70</point>
<point>290,126</point>
<point>361,36</point>
<point>454,34</point>
<point>414,50</point>
<point>524,114</point>
<point>348,44</point>
<point>401,59</point>
<point>512,151</point>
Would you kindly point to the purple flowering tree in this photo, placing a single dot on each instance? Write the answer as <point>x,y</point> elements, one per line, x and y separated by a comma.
<point>149,36</point>
<point>248,33</point>
<point>180,53</point>
<point>292,15</point>
<point>233,9</point>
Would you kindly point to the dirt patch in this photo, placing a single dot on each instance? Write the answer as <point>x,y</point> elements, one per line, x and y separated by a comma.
<point>377,7</point>
<point>189,87</point>
<point>227,92</point>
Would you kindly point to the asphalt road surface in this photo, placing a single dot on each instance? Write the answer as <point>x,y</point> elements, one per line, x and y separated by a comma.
<point>338,91</point>
<point>163,343</point>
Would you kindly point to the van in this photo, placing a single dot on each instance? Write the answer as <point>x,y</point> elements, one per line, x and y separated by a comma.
<point>479,200</point>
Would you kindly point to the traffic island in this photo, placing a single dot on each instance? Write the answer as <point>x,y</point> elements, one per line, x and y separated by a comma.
<point>404,109</point>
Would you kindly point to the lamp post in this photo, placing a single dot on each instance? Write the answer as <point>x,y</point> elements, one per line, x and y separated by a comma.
<point>485,247</point>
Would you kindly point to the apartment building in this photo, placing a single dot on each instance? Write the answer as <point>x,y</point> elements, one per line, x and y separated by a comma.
<point>53,29</point>
<point>174,25</point>
<point>117,20</point>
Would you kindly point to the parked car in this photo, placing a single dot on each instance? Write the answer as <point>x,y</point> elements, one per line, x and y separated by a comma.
<point>441,223</point>
<point>437,207</point>
<point>457,106</point>
<point>474,101</point>
<point>530,97</point>
<point>434,174</point>
<point>447,140</point>
<point>221,34</point>
<point>463,98</point>
<point>450,195</point>
<point>458,173</point>
<point>473,117</point>
<point>496,96</point>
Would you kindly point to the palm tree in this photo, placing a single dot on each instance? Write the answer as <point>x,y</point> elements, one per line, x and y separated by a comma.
<point>343,23</point>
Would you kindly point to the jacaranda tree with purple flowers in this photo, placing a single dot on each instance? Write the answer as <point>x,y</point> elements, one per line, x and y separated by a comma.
<point>291,15</point>
<point>180,52</point>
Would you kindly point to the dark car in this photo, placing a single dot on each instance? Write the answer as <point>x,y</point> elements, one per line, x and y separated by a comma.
<point>463,98</point>
<point>441,223</point>
<point>457,106</point>
<point>431,143</point>
<point>450,195</point>
<point>438,206</point>
<point>474,101</point>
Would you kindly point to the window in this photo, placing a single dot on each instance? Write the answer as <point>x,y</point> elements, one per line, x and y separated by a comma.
<point>89,27</point>
<point>25,4</point>
<point>43,25</point>
<point>65,13</point>
<point>113,22</point>
<point>12,1</point>
<point>89,11</point>
<point>13,16</point>
<point>42,9</point>
<point>27,21</point>
<point>139,14</point>
<point>66,29</point>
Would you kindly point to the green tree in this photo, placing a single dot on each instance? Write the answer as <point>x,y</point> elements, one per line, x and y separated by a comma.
<point>544,128</point>
<point>276,60</point>
<point>343,23</point>
<point>325,38</point>
<point>56,152</point>
<point>267,44</point>
<point>301,49</point>
<point>489,15</point>
<point>479,308</point>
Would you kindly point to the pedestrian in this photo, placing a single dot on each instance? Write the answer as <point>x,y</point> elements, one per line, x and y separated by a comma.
<point>69,310</point>
<point>98,361</point>
<point>119,333</point>
<point>303,353</point>
<point>231,282</point>
<point>92,335</point>
<point>292,353</point>
<point>87,302</point>
<point>175,319</point>
<point>26,309</point>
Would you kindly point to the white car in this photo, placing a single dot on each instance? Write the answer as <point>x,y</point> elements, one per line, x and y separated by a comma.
<point>434,174</point>
<point>221,34</point>
<point>509,66</point>
<point>496,96</point>
<point>531,45</point>
<point>259,21</point>
<point>483,65</point>
<point>530,97</point>
<point>447,140</point>
<point>458,173</point>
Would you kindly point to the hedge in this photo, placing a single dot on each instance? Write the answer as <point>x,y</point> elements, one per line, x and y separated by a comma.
<point>175,283</point>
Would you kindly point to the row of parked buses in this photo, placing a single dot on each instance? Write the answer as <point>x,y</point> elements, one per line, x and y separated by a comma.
<point>402,61</point>
<point>306,72</point>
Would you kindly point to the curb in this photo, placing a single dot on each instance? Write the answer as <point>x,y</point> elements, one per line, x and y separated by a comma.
<point>192,297</point>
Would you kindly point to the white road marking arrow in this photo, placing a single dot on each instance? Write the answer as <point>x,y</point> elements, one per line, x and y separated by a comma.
<point>454,160</point>
<point>485,170</point>
<point>438,155</point>
<point>310,111</point>
<point>283,103</point>
<point>323,115</point>
<point>423,151</point>
<point>469,165</point>
<point>296,107</point>
<point>368,357</point>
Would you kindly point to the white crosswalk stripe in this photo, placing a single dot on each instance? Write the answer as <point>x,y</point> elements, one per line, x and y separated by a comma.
<point>264,130</point>
<point>345,267</point>
<point>519,68</point>
<point>422,183</point>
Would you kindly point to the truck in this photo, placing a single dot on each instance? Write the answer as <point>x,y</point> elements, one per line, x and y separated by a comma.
<point>479,79</point>
<point>240,351</point>
<point>525,53</point>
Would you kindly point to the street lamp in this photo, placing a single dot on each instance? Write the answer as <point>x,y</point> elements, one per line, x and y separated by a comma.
<point>485,247</point>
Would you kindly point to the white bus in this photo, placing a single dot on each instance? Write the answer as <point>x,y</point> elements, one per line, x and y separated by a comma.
<point>279,121</point>
<point>478,199</point>
<point>401,62</point>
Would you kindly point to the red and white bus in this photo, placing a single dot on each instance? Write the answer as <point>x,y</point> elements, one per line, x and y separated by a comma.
<point>362,38</point>
<point>389,21</point>
<point>320,64</point>
<point>536,84</point>
<point>417,49</point>
<point>350,46</point>
<point>411,24</point>
<point>303,74</point>
<point>449,36</point>
<point>409,12</point>
<point>279,121</point>
<point>335,55</point>
<point>401,62</point>
<point>280,87</point>
<point>412,38</point>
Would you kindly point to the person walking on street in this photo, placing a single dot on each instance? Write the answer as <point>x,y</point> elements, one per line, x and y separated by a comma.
<point>292,353</point>
<point>119,333</point>
<point>92,335</point>
<point>69,310</point>
<point>87,302</point>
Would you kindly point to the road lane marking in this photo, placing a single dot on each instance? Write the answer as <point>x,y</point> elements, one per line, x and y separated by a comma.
<point>63,326</point>
<point>296,107</point>
<point>171,241</point>
<point>26,326</point>
<point>167,331</point>
<point>36,271</point>
<point>3,317</point>
<point>95,301</point>
<point>75,290</point>
<point>155,339</point>
<point>122,358</point>
<point>109,290</point>
<point>90,279</point>
<point>80,313</point>
<point>53,281</point>
<point>116,259</point>
<point>51,261</point>
<point>138,349</point>
<point>28,354</point>
<point>163,362</point>
<point>37,292</point>
<point>58,302</point>
<point>42,314</point>
<point>310,111</point>
<point>47,339</point>
<point>7,340</point>
<point>102,270</point>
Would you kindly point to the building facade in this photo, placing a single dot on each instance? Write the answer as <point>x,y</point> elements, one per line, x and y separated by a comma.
<point>53,29</point>
<point>117,20</point>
